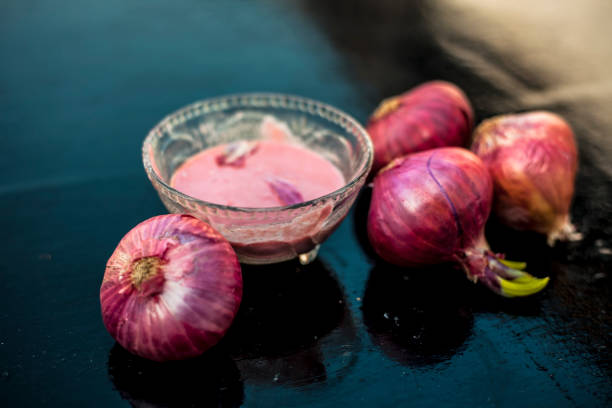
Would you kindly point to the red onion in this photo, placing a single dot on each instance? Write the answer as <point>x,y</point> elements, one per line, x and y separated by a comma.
<point>533,160</point>
<point>431,207</point>
<point>434,114</point>
<point>171,288</point>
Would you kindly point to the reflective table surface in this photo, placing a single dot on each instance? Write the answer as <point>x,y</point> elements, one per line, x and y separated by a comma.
<point>82,83</point>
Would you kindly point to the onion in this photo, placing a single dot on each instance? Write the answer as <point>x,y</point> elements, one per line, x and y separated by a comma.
<point>171,288</point>
<point>532,159</point>
<point>431,207</point>
<point>434,114</point>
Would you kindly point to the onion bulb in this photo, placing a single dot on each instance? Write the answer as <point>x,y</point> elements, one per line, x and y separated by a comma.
<point>434,114</point>
<point>532,159</point>
<point>431,207</point>
<point>171,288</point>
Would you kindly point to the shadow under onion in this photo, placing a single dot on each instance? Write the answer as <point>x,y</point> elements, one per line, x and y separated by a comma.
<point>360,214</point>
<point>210,380</point>
<point>293,326</point>
<point>417,317</point>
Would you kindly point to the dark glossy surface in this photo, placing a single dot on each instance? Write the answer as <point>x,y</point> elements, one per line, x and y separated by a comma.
<point>82,83</point>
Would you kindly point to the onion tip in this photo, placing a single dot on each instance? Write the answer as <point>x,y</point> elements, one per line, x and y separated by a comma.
<point>566,232</point>
<point>524,286</point>
<point>513,264</point>
<point>386,107</point>
<point>505,278</point>
<point>508,280</point>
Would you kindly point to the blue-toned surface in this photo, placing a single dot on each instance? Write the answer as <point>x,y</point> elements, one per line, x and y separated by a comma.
<point>81,83</point>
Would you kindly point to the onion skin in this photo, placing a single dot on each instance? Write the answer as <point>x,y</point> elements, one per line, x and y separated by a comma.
<point>171,288</point>
<point>408,206</point>
<point>434,114</point>
<point>532,159</point>
<point>431,207</point>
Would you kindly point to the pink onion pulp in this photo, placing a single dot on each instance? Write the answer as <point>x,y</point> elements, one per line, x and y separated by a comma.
<point>171,288</point>
<point>532,159</point>
<point>431,207</point>
<point>434,114</point>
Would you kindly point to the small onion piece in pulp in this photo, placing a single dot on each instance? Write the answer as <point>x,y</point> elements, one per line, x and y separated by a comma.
<point>431,207</point>
<point>434,114</point>
<point>532,159</point>
<point>171,289</point>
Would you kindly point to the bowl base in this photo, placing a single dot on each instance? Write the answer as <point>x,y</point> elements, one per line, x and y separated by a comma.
<point>309,256</point>
<point>304,258</point>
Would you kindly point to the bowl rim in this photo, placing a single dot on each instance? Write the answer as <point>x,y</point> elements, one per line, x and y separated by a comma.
<point>361,174</point>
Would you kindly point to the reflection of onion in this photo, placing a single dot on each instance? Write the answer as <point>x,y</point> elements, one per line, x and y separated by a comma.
<point>293,326</point>
<point>416,318</point>
<point>209,380</point>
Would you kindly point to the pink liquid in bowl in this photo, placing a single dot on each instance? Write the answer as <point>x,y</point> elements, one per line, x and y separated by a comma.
<point>252,179</point>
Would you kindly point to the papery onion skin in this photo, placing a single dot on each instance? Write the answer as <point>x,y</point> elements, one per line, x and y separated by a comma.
<point>434,114</point>
<point>411,205</point>
<point>532,158</point>
<point>171,288</point>
<point>431,207</point>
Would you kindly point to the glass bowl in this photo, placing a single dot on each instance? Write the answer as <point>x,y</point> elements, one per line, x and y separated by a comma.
<point>262,235</point>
